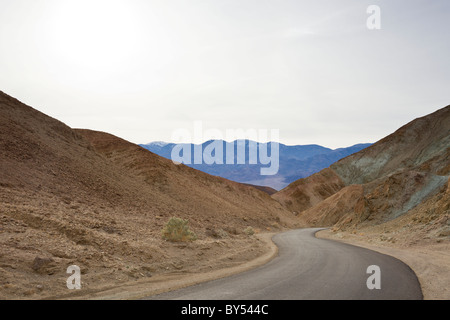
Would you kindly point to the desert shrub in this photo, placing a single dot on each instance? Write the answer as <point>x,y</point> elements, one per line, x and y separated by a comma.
<point>176,230</point>
<point>231,230</point>
<point>275,225</point>
<point>216,233</point>
<point>222,233</point>
<point>249,231</point>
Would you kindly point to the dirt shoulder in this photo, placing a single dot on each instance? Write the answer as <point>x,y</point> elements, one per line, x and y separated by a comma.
<point>262,243</point>
<point>430,261</point>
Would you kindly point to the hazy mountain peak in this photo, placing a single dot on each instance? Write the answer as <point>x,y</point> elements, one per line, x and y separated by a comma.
<point>295,161</point>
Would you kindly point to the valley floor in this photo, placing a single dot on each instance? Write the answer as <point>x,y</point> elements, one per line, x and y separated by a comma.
<point>430,260</point>
<point>141,273</point>
<point>158,284</point>
<point>250,253</point>
<point>189,264</point>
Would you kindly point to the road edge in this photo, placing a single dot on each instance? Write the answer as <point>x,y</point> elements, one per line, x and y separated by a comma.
<point>170,282</point>
<point>321,234</point>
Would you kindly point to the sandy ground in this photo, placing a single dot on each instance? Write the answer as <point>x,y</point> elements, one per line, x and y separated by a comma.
<point>430,261</point>
<point>157,284</point>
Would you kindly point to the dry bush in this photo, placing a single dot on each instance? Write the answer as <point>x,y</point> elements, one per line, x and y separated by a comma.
<point>249,231</point>
<point>216,233</point>
<point>176,230</point>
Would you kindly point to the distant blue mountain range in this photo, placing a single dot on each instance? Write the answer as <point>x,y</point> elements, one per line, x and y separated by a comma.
<point>295,162</point>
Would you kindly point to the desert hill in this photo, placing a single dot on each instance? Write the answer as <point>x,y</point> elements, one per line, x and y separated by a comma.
<point>92,199</point>
<point>405,173</point>
<point>270,191</point>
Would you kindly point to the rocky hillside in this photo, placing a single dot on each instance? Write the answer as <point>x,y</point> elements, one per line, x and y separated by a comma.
<point>92,199</point>
<point>404,173</point>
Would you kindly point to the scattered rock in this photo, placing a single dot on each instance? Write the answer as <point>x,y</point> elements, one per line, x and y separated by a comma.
<point>445,232</point>
<point>44,265</point>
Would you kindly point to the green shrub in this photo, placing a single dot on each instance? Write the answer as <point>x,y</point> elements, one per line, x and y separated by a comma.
<point>176,230</point>
<point>216,233</point>
<point>249,231</point>
<point>222,233</point>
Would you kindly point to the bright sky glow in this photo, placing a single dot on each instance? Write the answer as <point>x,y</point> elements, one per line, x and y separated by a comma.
<point>141,69</point>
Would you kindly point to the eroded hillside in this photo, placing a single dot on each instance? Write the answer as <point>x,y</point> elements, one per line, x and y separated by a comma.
<point>405,175</point>
<point>94,200</point>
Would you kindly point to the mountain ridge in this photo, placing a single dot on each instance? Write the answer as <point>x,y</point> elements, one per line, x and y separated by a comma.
<point>297,161</point>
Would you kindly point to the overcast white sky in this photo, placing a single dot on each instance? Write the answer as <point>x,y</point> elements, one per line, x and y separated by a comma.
<point>141,69</point>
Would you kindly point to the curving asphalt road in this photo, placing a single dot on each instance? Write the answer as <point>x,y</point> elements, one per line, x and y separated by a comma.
<point>310,268</point>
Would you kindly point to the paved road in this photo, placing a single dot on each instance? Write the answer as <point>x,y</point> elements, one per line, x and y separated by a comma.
<point>310,268</point>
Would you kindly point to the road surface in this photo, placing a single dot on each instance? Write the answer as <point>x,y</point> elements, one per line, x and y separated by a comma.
<point>310,268</point>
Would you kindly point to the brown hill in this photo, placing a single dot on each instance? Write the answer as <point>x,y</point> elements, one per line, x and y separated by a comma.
<point>305,193</point>
<point>270,191</point>
<point>404,172</point>
<point>91,199</point>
